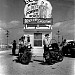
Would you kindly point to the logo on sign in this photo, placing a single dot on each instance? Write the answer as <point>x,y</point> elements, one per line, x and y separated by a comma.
<point>37,12</point>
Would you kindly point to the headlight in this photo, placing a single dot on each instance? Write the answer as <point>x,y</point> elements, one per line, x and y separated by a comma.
<point>50,48</point>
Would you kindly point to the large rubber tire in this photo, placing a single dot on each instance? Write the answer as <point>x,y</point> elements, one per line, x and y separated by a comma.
<point>60,57</point>
<point>19,57</point>
<point>48,59</point>
<point>72,54</point>
<point>25,59</point>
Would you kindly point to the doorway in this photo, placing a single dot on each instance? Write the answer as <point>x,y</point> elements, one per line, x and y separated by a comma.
<point>38,39</point>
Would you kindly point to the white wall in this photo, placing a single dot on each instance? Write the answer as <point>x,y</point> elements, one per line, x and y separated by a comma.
<point>38,51</point>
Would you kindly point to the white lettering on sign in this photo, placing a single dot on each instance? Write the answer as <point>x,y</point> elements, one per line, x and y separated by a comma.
<point>38,21</point>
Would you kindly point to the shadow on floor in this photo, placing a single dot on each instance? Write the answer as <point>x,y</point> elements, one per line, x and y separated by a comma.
<point>17,61</point>
<point>13,54</point>
<point>42,62</point>
<point>38,60</point>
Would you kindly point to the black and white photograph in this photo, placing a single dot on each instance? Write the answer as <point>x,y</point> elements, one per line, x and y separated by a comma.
<point>37,37</point>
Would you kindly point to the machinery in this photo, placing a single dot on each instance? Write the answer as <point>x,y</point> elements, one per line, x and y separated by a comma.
<point>53,54</point>
<point>25,54</point>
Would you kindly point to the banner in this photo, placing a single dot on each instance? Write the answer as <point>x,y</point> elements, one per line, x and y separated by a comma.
<point>38,21</point>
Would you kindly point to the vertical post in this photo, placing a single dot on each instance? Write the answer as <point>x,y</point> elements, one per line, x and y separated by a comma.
<point>7,34</point>
<point>62,38</point>
<point>58,33</point>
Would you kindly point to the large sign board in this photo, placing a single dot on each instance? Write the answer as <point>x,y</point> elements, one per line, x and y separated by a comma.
<point>38,21</point>
<point>37,13</point>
